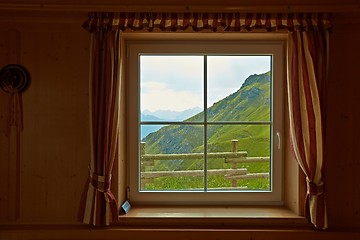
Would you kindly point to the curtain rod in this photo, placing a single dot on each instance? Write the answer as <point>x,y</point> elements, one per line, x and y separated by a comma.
<point>179,8</point>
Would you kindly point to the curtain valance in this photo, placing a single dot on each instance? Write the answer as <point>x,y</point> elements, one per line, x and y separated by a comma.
<point>214,22</point>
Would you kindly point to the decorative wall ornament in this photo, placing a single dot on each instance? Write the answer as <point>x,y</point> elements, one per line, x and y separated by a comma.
<point>14,77</point>
<point>14,80</point>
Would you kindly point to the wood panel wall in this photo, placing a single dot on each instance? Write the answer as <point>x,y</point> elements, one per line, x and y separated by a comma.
<point>55,148</point>
<point>9,51</point>
<point>343,128</point>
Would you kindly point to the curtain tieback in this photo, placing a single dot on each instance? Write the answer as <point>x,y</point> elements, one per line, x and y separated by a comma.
<point>99,182</point>
<point>314,189</point>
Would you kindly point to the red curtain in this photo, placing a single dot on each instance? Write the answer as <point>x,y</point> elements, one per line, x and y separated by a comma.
<point>98,205</point>
<point>307,60</point>
<point>307,73</point>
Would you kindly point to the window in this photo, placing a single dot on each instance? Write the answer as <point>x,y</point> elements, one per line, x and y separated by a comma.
<point>205,122</point>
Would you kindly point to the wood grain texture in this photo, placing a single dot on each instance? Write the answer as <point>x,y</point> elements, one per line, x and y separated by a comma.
<point>82,233</point>
<point>187,5</point>
<point>10,138</point>
<point>55,141</point>
<point>4,143</point>
<point>343,130</point>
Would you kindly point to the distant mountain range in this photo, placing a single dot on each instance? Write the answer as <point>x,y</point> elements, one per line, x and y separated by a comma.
<point>169,115</point>
<point>250,103</point>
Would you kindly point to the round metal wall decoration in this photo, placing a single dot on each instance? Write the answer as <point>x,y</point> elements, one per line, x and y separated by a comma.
<point>14,78</point>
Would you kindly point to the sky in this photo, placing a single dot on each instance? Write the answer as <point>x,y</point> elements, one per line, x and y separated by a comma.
<point>177,82</point>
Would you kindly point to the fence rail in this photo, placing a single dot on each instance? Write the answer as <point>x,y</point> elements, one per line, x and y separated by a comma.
<point>193,156</point>
<point>193,173</point>
<point>234,174</point>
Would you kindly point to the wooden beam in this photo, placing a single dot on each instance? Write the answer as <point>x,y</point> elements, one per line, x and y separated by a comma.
<point>178,8</point>
<point>13,201</point>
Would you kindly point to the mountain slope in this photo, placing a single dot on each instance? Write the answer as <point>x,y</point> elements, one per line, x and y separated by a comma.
<point>250,103</point>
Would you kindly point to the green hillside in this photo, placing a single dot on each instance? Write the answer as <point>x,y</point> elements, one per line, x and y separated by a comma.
<point>250,103</point>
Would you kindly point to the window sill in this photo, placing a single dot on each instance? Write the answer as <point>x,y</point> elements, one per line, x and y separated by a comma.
<point>219,217</point>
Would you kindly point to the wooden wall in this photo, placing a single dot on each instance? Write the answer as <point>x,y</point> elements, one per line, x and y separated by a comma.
<point>343,128</point>
<point>54,146</point>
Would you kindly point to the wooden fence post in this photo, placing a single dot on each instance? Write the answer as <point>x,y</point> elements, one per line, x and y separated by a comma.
<point>234,148</point>
<point>142,165</point>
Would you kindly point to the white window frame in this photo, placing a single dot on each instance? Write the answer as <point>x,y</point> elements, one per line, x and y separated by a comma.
<point>273,47</point>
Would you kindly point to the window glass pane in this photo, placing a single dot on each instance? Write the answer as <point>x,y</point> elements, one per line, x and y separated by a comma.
<point>172,158</point>
<point>246,150</point>
<point>171,87</point>
<point>239,88</point>
<point>177,151</point>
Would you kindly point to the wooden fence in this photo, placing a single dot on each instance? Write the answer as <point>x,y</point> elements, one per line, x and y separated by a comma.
<point>234,157</point>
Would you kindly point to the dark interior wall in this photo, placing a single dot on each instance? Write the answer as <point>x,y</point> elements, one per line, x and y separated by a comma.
<point>343,129</point>
<point>141,3</point>
<point>54,146</point>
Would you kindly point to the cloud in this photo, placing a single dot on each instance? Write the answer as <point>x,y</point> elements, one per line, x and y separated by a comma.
<point>226,74</point>
<point>181,73</point>
<point>156,96</point>
<point>176,82</point>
